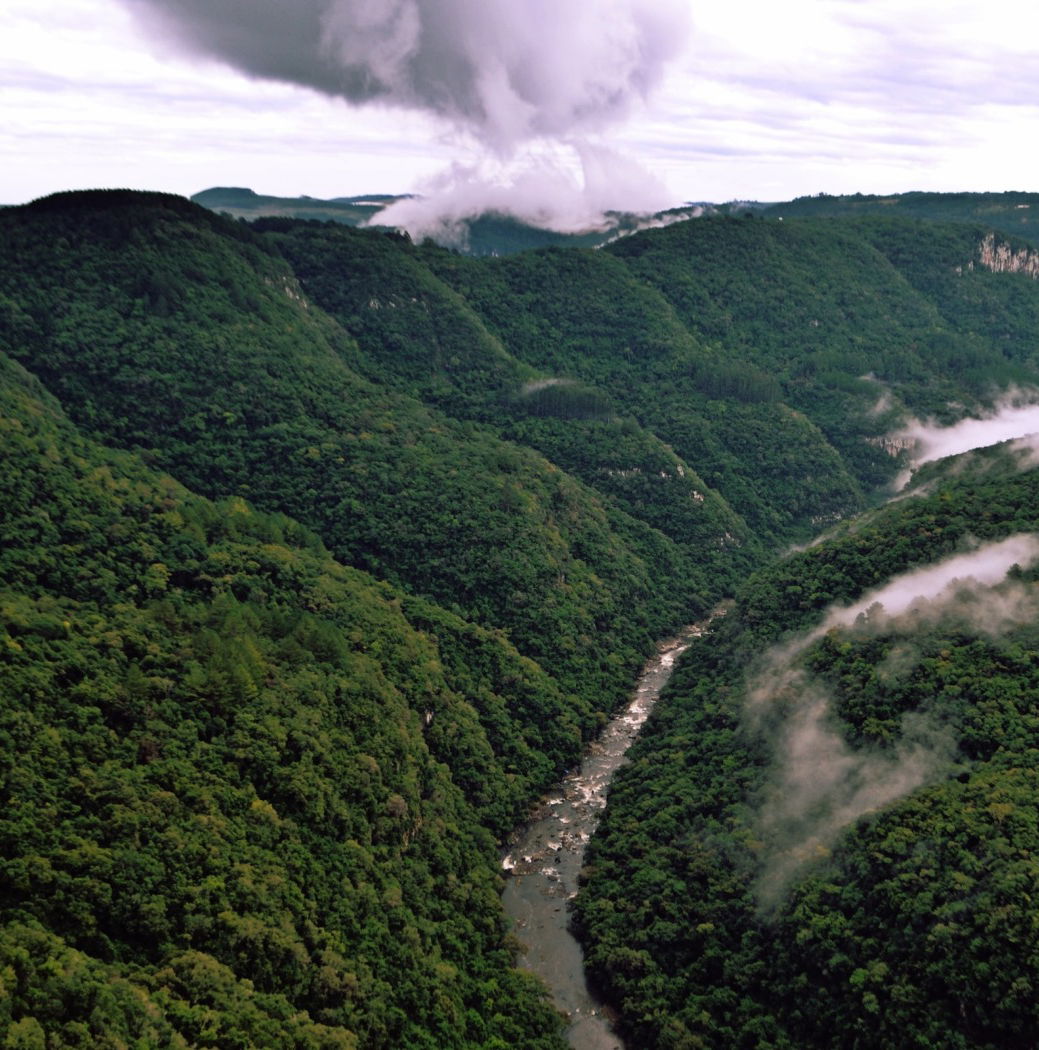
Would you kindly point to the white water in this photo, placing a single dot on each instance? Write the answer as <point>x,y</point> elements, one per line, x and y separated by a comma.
<point>545,858</point>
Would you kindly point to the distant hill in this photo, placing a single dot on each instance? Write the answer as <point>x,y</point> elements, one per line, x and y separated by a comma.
<point>1010,212</point>
<point>242,203</point>
<point>492,233</point>
<point>496,233</point>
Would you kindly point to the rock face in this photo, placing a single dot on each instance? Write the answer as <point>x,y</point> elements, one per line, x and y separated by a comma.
<point>892,444</point>
<point>999,257</point>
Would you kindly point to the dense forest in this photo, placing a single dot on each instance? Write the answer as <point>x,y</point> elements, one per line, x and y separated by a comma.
<point>828,835</point>
<point>324,553</point>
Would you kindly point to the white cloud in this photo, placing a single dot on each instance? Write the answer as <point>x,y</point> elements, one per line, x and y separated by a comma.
<point>566,187</point>
<point>1013,417</point>
<point>770,101</point>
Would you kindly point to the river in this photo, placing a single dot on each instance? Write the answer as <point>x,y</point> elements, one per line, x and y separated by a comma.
<point>546,855</point>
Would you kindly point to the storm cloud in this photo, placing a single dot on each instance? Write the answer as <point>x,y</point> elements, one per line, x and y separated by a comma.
<point>505,72</point>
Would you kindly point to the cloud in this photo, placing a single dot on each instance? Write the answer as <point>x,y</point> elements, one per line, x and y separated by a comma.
<point>503,71</point>
<point>1009,420</point>
<point>1014,418</point>
<point>978,569</point>
<point>542,190</point>
<point>818,784</point>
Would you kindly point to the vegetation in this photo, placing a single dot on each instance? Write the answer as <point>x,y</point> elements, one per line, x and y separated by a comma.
<point>1013,212</point>
<point>325,552</point>
<point>246,801</point>
<point>726,917</point>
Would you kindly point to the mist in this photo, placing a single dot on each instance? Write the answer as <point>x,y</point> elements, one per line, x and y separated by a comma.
<point>544,191</point>
<point>1016,416</point>
<point>821,785</point>
<point>939,584</point>
<point>818,784</point>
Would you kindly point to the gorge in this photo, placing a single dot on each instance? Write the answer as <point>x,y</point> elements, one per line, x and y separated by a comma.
<point>326,554</point>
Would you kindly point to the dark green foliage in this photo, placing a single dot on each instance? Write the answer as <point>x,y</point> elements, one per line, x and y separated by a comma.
<point>587,316</point>
<point>245,388</point>
<point>819,305</point>
<point>416,334</point>
<point>244,798</point>
<point>913,931</point>
<point>262,724</point>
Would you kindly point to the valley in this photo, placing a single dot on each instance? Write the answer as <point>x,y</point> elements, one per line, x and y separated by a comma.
<point>326,554</point>
<point>546,856</point>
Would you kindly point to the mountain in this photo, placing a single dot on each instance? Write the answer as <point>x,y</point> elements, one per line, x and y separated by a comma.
<point>246,789</point>
<point>325,552</point>
<point>847,850</point>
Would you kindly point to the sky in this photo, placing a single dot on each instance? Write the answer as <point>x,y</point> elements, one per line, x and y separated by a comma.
<point>657,101</point>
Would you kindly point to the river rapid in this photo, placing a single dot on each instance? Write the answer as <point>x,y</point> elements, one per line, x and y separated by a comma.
<point>546,855</point>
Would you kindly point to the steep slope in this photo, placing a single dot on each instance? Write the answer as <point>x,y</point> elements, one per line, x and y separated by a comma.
<point>414,333</point>
<point>243,800</point>
<point>587,316</point>
<point>163,327</point>
<point>848,847</point>
<point>983,285</point>
<point>818,305</point>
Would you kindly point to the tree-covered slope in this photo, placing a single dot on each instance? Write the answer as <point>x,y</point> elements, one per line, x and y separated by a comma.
<point>820,304</point>
<point>982,283</point>
<point>246,794</point>
<point>163,327</point>
<point>414,333</point>
<point>586,316</point>
<point>323,553</point>
<point>826,836</point>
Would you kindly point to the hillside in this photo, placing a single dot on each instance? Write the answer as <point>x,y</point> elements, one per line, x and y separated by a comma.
<point>1012,213</point>
<point>207,355</point>
<point>246,794</point>
<point>774,358</point>
<point>326,552</point>
<point>848,849</point>
<point>415,333</point>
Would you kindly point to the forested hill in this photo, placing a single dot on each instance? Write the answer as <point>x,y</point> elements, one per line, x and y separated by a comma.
<point>1012,212</point>
<point>324,552</point>
<point>828,837</point>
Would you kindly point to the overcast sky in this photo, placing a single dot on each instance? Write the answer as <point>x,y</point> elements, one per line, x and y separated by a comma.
<point>724,100</point>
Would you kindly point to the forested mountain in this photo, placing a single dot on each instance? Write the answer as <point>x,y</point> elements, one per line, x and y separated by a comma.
<point>828,837</point>
<point>247,791</point>
<point>324,552</point>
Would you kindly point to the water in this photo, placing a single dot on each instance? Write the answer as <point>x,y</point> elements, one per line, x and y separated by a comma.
<point>546,855</point>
